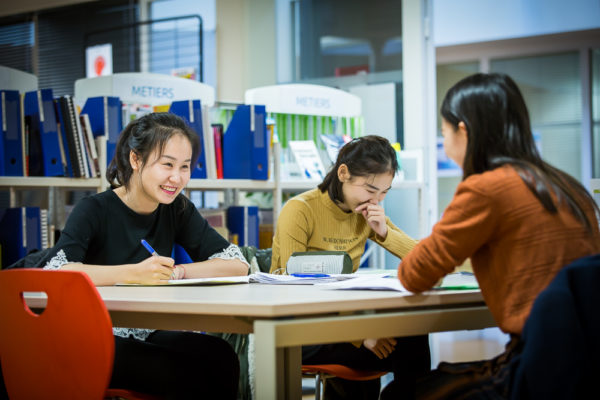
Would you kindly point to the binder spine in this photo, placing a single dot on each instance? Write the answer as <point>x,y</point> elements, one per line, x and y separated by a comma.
<point>74,135</point>
<point>44,229</point>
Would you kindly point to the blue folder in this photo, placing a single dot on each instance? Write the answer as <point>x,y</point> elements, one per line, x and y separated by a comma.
<point>191,112</point>
<point>244,222</point>
<point>12,156</point>
<point>43,134</point>
<point>20,232</point>
<point>246,145</point>
<point>106,118</point>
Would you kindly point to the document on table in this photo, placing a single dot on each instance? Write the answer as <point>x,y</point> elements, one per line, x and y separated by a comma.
<point>389,281</point>
<point>384,281</point>
<point>221,280</point>
<point>263,277</point>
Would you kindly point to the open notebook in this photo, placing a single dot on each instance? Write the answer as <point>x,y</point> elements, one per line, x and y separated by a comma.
<point>221,280</point>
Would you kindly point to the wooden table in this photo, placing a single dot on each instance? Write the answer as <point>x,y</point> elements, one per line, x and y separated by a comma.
<point>285,317</point>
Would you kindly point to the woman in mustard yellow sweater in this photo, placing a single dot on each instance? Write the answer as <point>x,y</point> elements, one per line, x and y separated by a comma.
<point>341,214</point>
<point>519,219</point>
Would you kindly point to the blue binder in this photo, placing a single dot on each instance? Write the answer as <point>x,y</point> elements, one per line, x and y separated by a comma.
<point>243,221</point>
<point>20,232</point>
<point>106,118</point>
<point>39,107</point>
<point>191,112</point>
<point>12,156</point>
<point>2,154</point>
<point>246,145</point>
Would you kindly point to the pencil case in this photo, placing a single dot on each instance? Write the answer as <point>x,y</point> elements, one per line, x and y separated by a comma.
<point>319,262</point>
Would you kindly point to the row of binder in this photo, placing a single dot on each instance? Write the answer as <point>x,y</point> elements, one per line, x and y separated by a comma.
<point>239,152</point>
<point>46,136</point>
<point>22,230</point>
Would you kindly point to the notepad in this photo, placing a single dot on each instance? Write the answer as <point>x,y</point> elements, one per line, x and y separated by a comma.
<point>221,280</point>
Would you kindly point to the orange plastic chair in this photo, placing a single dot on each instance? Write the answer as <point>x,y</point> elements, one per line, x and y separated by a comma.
<point>67,350</point>
<point>325,371</point>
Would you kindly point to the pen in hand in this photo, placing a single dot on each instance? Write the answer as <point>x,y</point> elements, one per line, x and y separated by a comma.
<point>154,253</point>
<point>149,248</point>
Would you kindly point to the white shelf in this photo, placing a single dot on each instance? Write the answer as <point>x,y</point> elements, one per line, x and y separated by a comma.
<point>303,185</point>
<point>222,184</point>
<point>44,181</point>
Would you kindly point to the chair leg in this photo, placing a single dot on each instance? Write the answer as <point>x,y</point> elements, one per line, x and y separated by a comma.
<point>318,387</point>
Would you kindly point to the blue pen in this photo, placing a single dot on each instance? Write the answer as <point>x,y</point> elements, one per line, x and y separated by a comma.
<point>310,275</point>
<point>149,248</point>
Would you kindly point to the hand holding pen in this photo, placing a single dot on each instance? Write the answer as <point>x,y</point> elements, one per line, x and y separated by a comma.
<point>164,261</point>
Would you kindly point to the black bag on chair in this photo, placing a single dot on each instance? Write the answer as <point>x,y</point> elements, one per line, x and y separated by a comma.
<point>35,259</point>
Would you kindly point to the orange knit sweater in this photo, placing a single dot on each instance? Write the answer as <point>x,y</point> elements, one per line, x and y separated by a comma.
<point>516,246</point>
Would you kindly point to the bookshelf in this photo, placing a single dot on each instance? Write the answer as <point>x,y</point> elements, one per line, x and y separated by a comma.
<point>293,99</point>
<point>317,100</point>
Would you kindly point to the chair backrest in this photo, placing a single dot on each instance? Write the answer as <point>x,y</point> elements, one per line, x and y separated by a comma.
<point>341,371</point>
<point>561,332</point>
<point>67,350</point>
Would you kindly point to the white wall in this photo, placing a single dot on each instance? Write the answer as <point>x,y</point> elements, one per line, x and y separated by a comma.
<point>468,21</point>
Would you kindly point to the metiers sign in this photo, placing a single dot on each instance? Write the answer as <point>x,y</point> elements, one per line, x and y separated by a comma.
<point>145,88</point>
<point>305,99</point>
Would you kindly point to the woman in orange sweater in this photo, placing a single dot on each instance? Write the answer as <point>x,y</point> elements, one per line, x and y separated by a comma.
<point>519,219</point>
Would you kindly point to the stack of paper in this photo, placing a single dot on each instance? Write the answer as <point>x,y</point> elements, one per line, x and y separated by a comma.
<point>387,281</point>
<point>309,279</point>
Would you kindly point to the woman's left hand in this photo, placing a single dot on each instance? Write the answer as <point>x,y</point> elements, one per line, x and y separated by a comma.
<point>178,272</point>
<point>375,217</point>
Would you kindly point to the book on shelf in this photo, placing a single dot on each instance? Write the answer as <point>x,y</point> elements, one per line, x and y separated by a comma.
<point>71,131</point>
<point>11,146</point>
<point>243,221</point>
<point>246,145</point>
<point>22,230</point>
<point>106,119</point>
<point>90,144</point>
<point>67,154</point>
<point>218,140</point>
<point>209,145</point>
<point>217,219</point>
<point>191,112</point>
<point>307,156</point>
<point>42,144</point>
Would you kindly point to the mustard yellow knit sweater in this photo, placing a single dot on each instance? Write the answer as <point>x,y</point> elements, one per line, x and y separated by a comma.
<point>312,222</point>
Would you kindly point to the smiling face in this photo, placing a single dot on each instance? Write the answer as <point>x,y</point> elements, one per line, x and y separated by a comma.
<point>358,190</point>
<point>455,141</point>
<point>163,177</point>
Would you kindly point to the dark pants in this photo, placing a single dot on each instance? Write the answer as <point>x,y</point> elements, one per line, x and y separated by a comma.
<point>177,365</point>
<point>174,365</point>
<point>410,360</point>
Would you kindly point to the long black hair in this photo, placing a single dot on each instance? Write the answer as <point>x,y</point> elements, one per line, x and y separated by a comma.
<point>499,133</point>
<point>143,136</point>
<point>364,156</point>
